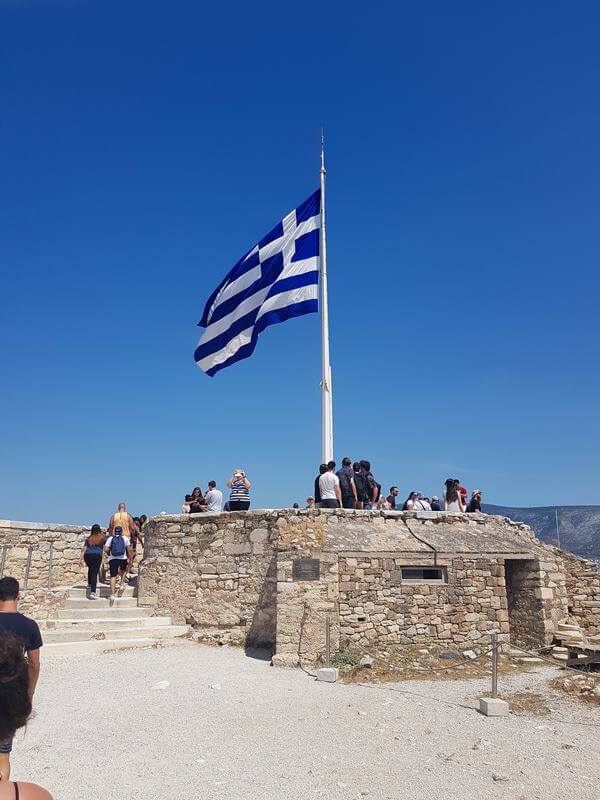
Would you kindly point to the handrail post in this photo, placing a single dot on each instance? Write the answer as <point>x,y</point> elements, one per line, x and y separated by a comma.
<point>3,559</point>
<point>50,565</point>
<point>27,567</point>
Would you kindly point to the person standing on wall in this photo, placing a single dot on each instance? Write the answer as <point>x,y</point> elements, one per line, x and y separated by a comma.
<point>239,497</point>
<point>92,556</point>
<point>28,633</point>
<point>452,498</point>
<point>329,486</point>
<point>119,552</point>
<point>347,485</point>
<point>213,498</point>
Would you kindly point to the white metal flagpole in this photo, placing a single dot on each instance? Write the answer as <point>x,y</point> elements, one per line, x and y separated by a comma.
<point>326,390</point>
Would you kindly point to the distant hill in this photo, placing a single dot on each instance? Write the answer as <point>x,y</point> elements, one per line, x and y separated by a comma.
<point>579,526</point>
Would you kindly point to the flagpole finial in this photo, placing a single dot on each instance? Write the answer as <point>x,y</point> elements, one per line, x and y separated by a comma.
<point>322,150</point>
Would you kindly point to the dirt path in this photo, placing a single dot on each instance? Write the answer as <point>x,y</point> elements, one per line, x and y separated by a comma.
<point>212,723</point>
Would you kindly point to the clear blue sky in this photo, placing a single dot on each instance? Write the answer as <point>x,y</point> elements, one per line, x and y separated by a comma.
<point>146,146</point>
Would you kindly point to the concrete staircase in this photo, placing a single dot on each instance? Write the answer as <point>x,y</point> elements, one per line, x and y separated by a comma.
<point>91,626</point>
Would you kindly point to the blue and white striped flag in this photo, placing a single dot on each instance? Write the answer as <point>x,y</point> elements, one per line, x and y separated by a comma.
<point>276,280</point>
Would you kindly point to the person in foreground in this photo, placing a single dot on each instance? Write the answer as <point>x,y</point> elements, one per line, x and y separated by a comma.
<point>119,552</point>
<point>16,691</point>
<point>28,634</point>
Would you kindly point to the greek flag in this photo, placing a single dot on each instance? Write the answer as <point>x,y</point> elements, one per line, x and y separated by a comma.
<point>276,280</point>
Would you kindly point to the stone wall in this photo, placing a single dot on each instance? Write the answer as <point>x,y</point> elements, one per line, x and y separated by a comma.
<point>215,572</point>
<point>583,591</point>
<point>58,546</point>
<point>41,604</point>
<point>460,611</point>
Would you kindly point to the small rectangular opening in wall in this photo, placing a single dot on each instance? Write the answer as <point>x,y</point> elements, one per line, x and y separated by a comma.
<point>423,574</point>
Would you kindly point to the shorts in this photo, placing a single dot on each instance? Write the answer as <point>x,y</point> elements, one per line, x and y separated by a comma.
<point>117,565</point>
<point>330,504</point>
<point>6,746</point>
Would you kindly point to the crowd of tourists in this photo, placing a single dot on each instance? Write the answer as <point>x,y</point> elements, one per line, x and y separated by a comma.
<point>114,551</point>
<point>353,486</point>
<point>212,499</point>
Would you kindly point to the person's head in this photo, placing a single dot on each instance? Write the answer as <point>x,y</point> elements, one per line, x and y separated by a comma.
<point>451,490</point>
<point>330,466</point>
<point>356,466</point>
<point>346,462</point>
<point>310,501</point>
<point>322,469</point>
<point>394,491</point>
<point>476,495</point>
<point>412,496</point>
<point>143,519</point>
<point>212,484</point>
<point>188,497</point>
<point>435,499</point>
<point>9,589</point>
<point>137,521</point>
<point>118,530</point>
<point>366,465</point>
<point>295,505</point>
<point>449,483</point>
<point>15,703</point>
<point>122,507</point>
<point>239,474</point>
<point>456,482</point>
<point>96,535</point>
<point>196,492</point>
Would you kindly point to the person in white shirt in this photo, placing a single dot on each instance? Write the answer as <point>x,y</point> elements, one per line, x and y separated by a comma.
<point>421,503</point>
<point>329,486</point>
<point>119,552</point>
<point>213,497</point>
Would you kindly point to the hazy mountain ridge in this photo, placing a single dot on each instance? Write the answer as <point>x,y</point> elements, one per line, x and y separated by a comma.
<point>579,526</point>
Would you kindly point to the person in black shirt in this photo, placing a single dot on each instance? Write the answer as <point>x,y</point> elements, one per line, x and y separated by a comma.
<point>322,471</point>
<point>474,506</point>
<point>28,633</point>
<point>435,504</point>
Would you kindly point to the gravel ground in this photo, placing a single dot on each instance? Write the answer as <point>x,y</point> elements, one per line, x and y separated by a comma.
<point>189,721</point>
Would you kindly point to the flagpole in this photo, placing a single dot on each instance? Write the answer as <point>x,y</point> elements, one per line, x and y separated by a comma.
<point>326,389</point>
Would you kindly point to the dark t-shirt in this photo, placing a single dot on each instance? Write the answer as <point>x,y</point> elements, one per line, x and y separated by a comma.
<point>435,506</point>
<point>392,502</point>
<point>346,476</point>
<point>474,506</point>
<point>25,628</point>
<point>317,490</point>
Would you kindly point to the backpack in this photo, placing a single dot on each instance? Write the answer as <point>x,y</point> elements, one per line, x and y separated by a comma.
<point>362,488</point>
<point>117,546</point>
<point>345,485</point>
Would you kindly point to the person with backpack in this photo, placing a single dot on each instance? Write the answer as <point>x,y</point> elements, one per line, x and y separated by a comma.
<point>362,488</point>
<point>119,552</point>
<point>347,485</point>
<point>374,488</point>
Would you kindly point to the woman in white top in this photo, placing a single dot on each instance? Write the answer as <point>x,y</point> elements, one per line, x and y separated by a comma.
<point>452,498</point>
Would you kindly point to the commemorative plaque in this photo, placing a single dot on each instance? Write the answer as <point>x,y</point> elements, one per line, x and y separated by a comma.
<point>306,569</point>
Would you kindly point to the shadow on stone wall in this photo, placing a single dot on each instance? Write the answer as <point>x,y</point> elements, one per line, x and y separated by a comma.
<point>263,628</point>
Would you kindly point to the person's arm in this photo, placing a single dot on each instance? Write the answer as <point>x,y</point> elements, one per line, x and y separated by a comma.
<point>374,491</point>
<point>229,483</point>
<point>353,484</point>
<point>33,670</point>
<point>247,483</point>
<point>107,546</point>
<point>83,549</point>
<point>129,551</point>
<point>445,502</point>
<point>338,492</point>
<point>27,791</point>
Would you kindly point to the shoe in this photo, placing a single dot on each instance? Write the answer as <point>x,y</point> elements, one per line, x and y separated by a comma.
<point>93,596</point>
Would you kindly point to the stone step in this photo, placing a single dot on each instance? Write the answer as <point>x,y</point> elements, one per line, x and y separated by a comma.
<point>102,591</point>
<point>107,622</point>
<point>80,634</point>
<point>98,646</point>
<point>89,612</point>
<point>119,602</point>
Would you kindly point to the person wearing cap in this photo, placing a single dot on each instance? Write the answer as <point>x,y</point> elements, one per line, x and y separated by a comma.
<point>119,552</point>
<point>435,504</point>
<point>474,506</point>
<point>310,502</point>
<point>421,504</point>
